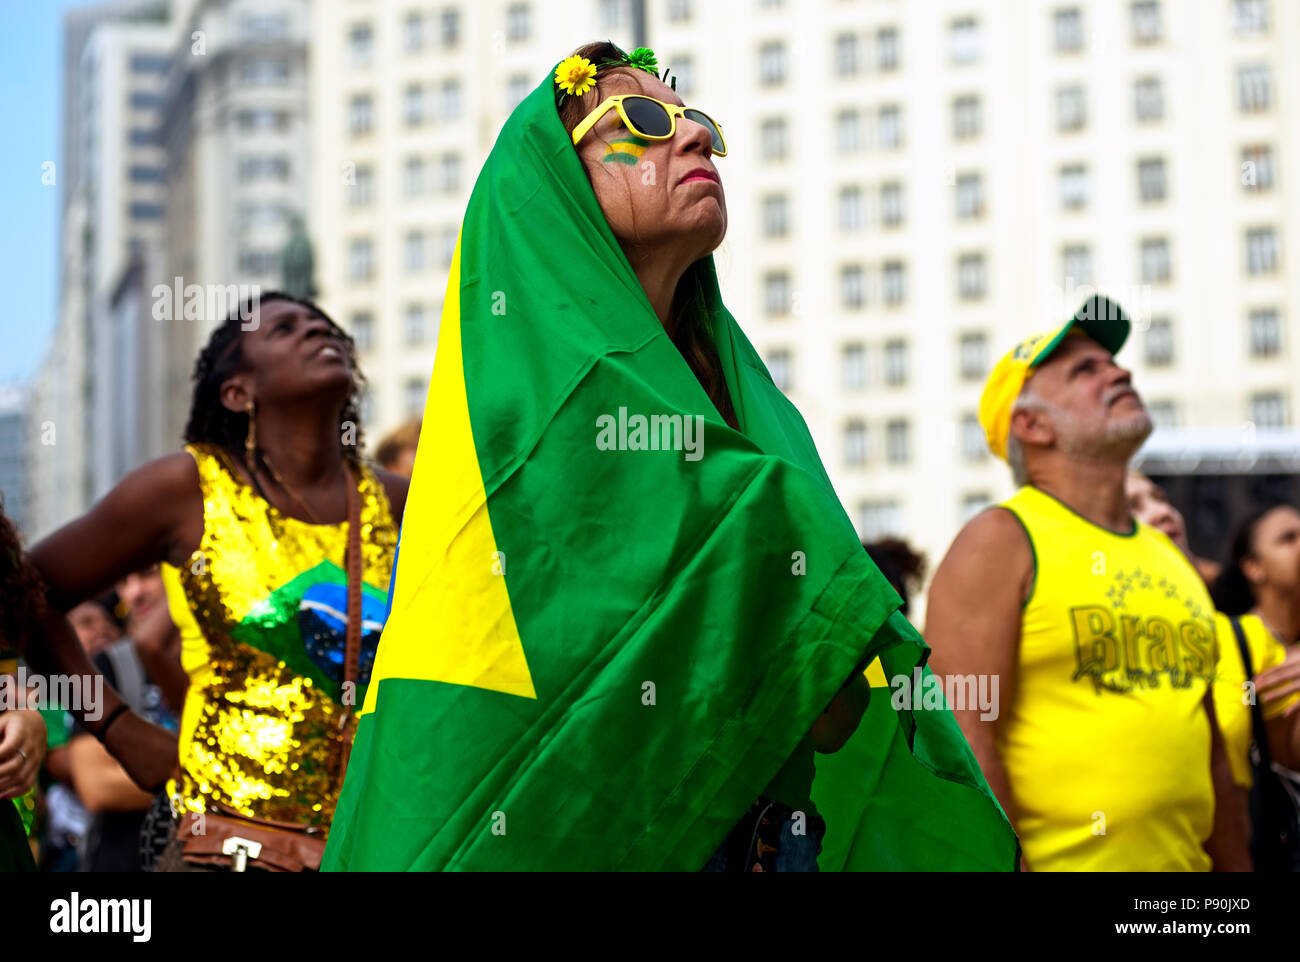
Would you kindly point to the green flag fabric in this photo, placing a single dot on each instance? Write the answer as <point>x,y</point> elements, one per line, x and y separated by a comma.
<point>613,617</point>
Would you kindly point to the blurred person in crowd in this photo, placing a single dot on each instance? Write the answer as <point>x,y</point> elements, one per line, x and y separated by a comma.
<point>1271,532</point>
<point>96,624</point>
<point>1105,752</point>
<point>130,665</point>
<point>22,730</point>
<point>1151,505</point>
<point>396,451</point>
<point>249,524</point>
<point>902,567</point>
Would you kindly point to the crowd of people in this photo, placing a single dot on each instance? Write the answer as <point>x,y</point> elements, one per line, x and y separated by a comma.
<point>233,595</point>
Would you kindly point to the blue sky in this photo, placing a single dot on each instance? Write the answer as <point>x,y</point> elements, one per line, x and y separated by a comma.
<point>30,98</point>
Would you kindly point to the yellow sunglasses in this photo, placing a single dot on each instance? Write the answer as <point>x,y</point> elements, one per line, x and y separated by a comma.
<point>651,119</point>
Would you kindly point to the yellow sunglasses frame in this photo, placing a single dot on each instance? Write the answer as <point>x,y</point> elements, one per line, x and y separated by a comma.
<point>616,103</point>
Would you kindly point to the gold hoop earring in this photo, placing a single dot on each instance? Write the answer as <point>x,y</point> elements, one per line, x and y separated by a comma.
<point>250,438</point>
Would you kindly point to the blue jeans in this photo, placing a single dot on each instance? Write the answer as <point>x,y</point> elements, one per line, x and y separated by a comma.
<point>765,840</point>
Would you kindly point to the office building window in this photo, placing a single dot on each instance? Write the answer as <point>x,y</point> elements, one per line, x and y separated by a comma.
<point>776,215</point>
<point>683,67</point>
<point>895,357</point>
<point>447,243</point>
<point>1076,265</point>
<point>517,88</point>
<point>1151,179</point>
<point>970,196</point>
<point>1265,333</point>
<point>1147,27</point>
<point>889,129</point>
<point>966,117</point>
<point>774,138</point>
<point>779,366</point>
<point>265,73</point>
<point>451,105</point>
<point>413,31</point>
<point>361,115</point>
<point>972,277</point>
<point>361,260</point>
<point>143,100</point>
<point>1268,410</point>
<point>449,27</point>
<point>1257,168</point>
<point>898,441</point>
<point>518,22</point>
<point>1074,186</point>
<point>853,288</point>
<point>974,446</point>
<point>362,327</point>
<point>853,364</point>
<point>1254,88</point>
<point>886,49</point>
<point>1261,251</point>
<point>1164,414</point>
<point>973,356</point>
<point>879,519</point>
<point>141,174</point>
<point>148,63</point>
<point>413,176</point>
<point>142,211</point>
<point>855,444</point>
<point>849,207</point>
<point>771,64</point>
<point>263,167</point>
<point>679,11</point>
<point>361,192</point>
<point>1067,30</point>
<point>776,293</point>
<point>972,504</point>
<point>1250,16</point>
<point>361,45</point>
<point>413,250</point>
<point>1071,109</point>
<point>848,131</point>
<point>894,283</point>
<point>891,204</point>
<point>450,170</point>
<point>415,326</point>
<point>139,137</point>
<point>1160,342</point>
<point>964,40</point>
<point>1156,267</point>
<point>614,14</point>
<point>1148,100</point>
<point>846,55</point>
<point>262,118</point>
<point>413,105</point>
<point>414,392</point>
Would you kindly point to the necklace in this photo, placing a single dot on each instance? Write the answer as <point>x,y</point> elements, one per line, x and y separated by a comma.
<point>288,490</point>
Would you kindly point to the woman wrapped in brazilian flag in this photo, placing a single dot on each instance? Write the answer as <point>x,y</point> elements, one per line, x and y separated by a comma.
<point>630,620</point>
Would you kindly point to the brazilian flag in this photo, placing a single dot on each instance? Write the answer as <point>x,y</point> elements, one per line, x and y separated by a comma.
<point>614,617</point>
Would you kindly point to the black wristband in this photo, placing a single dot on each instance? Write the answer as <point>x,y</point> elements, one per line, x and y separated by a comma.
<point>112,717</point>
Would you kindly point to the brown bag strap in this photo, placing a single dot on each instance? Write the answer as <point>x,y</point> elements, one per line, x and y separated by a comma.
<point>352,647</point>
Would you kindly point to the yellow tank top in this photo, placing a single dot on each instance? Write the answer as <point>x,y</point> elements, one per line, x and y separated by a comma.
<point>1231,706</point>
<point>261,608</point>
<point>1106,742</point>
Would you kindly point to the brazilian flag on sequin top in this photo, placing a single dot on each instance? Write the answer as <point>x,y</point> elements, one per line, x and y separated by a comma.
<point>598,658</point>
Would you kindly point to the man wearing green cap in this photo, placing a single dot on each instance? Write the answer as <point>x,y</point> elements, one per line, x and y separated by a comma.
<point>1104,751</point>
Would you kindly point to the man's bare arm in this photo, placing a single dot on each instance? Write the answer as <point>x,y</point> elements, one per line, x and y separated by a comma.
<point>973,625</point>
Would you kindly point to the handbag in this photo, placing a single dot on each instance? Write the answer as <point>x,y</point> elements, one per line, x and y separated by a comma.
<point>219,837</point>
<point>1275,841</point>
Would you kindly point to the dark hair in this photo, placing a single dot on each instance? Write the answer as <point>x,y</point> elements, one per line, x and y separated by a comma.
<point>902,567</point>
<point>210,422</point>
<point>689,331</point>
<point>22,591</point>
<point>1232,592</point>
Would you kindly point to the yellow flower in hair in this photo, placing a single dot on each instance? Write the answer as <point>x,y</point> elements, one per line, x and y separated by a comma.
<point>576,75</point>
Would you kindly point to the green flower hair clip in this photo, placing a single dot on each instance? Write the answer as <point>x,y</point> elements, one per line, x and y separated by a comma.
<point>643,58</point>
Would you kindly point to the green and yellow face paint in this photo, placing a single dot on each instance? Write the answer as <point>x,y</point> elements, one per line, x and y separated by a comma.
<point>625,150</point>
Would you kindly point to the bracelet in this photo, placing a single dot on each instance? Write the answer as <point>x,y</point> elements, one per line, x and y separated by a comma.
<point>112,717</point>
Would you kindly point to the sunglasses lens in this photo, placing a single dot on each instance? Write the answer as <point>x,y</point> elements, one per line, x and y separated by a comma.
<point>647,117</point>
<point>714,132</point>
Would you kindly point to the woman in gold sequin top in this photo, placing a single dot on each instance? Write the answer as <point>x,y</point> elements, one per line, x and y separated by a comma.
<point>249,524</point>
